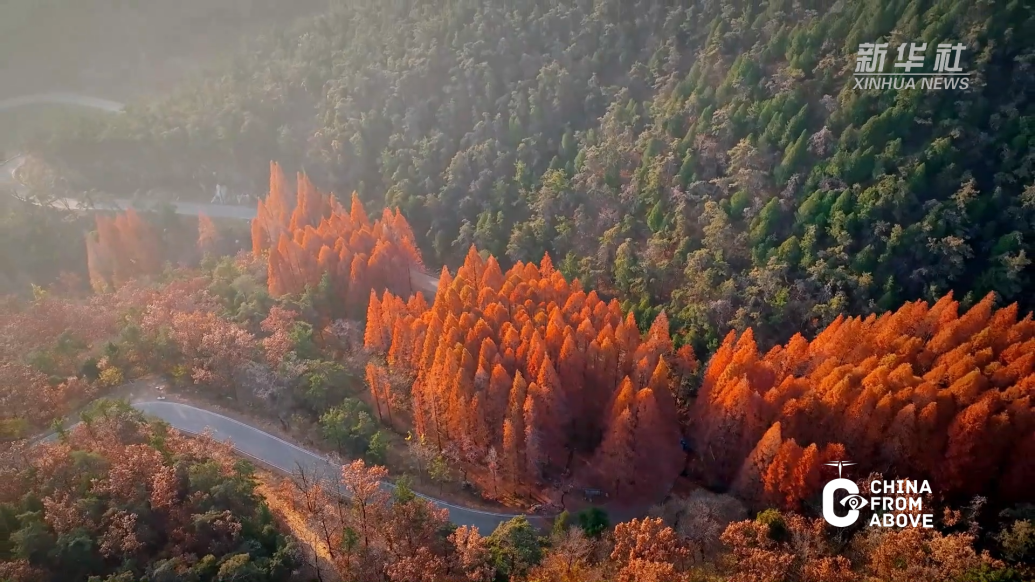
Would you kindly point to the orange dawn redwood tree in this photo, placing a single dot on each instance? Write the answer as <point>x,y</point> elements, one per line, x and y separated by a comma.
<point>121,248</point>
<point>546,374</point>
<point>208,234</point>
<point>922,392</point>
<point>308,235</point>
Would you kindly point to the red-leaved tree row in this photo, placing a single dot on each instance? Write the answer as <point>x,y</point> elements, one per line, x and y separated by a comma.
<point>308,234</point>
<point>920,393</point>
<point>121,249</point>
<point>548,377</point>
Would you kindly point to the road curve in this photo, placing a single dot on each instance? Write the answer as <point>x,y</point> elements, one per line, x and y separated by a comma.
<point>9,178</point>
<point>287,457</point>
<point>60,98</point>
<point>9,167</point>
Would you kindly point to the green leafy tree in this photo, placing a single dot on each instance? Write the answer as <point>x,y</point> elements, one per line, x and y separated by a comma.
<point>438,471</point>
<point>514,547</point>
<point>377,448</point>
<point>349,427</point>
<point>561,523</point>
<point>593,521</point>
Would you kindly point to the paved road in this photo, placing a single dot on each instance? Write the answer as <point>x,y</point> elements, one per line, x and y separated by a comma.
<point>246,439</point>
<point>8,168</point>
<point>8,178</point>
<point>287,457</point>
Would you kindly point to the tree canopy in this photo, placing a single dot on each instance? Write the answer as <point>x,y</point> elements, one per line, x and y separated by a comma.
<point>119,498</point>
<point>710,159</point>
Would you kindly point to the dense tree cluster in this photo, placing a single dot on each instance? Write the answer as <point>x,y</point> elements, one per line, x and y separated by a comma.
<point>364,533</point>
<point>44,343</point>
<point>30,399</point>
<point>711,159</point>
<point>120,500</point>
<point>183,333</point>
<point>403,538</point>
<point>530,366</point>
<point>922,393</point>
<point>216,328</point>
<point>787,546</point>
<point>309,236</point>
<point>122,248</point>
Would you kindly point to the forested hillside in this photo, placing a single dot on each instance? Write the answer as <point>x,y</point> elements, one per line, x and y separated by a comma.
<point>682,260</point>
<point>710,158</point>
<point>126,501</point>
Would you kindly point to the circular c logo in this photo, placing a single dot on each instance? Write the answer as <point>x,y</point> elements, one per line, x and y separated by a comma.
<point>828,502</point>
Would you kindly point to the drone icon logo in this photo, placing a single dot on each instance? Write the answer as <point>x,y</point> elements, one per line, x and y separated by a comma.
<point>854,502</point>
<point>840,465</point>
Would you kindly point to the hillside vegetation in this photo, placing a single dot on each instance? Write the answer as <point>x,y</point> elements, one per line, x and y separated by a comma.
<point>710,159</point>
<point>120,499</point>
<point>679,253</point>
<point>761,427</point>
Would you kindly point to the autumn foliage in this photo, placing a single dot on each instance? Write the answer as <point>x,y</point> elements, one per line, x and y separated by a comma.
<point>42,344</point>
<point>122,248</point>
<point>308,234</point>
<point>363,533</point>
<point>922,392</point>
<point>547,375</point>
<point>208,234</point>
<point>136,498</point>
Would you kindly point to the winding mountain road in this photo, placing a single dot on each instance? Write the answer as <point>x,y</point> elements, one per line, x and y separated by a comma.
<point>246,440</point>
<point>287,457</point>
<point>278,453</point>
